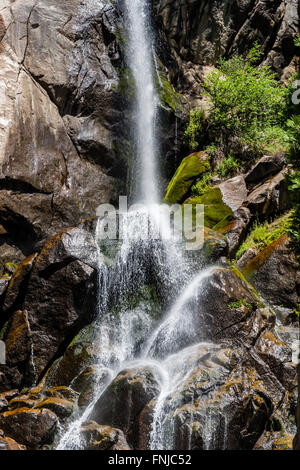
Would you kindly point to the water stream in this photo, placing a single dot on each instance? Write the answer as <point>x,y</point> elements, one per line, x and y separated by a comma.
<point>133,337</point>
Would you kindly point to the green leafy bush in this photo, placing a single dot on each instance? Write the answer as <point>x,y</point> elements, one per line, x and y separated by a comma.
<point>202,184</point>
<point>246,99</point>
<point>293,125</point>
<point>228,167</point>
<point>294,229</point>
<point>274,139</point>
<point>193,133</point>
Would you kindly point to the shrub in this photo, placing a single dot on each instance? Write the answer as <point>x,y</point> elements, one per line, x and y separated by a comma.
<point>294,138</point>
<point>228,167</point>
<point>201,185</point>
<point>193,134</point>
<point>294,229</point>
<point>274,139</point>
<point>246,99</point>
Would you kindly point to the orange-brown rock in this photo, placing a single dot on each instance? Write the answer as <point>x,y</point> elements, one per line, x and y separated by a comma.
<point>18,338</point>
<point>60,406</point>
<point>103,437</point>
<point>32,428</point>
<point>6,443</point>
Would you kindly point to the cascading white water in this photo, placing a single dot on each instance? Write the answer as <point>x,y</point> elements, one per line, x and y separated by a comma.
<point>133,337</point>
<point>141,63</point>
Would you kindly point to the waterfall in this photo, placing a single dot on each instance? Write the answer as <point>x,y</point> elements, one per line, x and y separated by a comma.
<point>134,337</point>
<point>141,63</point>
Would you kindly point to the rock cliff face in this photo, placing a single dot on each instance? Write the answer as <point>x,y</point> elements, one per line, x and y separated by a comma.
<point>65,148</point>
<point>199,32</point>
<point>61,132</point>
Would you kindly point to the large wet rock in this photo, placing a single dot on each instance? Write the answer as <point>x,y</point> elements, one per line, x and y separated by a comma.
<point>221,306</point>
<point>57,291</point>
<point>270,197</point>
<point>125,398</point>
<point>72,99</point>
<point>32,428</point>
<point>267,166</point>
<point>102,437</point>
<point>191,168</point>
<point>60,406</point>
<point>224,400</point>
<point>15,293</point>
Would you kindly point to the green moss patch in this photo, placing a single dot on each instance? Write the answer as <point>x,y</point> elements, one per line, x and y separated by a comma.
<point>253,266</point>
<point>217,215</point>
<point>190,168</point>
<point>167,95</point>
<point>264,234</point>
<point>240,303</point>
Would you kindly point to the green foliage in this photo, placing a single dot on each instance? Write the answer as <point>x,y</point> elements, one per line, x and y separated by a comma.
<point>229,67</point>
<point>228,167</point>
<point>293,125</point>
<point>263,234</point>
<point>240,303</point>
<point>245,99</point>
<point>297,41</point>
<point>291,107</point>
<point>274,139</point>
<point>192,135</point>
<point>202,184</point>
<point>294,228</point>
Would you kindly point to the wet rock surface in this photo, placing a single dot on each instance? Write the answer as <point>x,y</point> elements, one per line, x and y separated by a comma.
<point>125,398</point>
<point>30,427</point>
<point>102,437</point>
<point>65,148</point>
<point>274,272</point>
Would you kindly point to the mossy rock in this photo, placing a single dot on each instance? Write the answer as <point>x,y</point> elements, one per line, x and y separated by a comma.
<point>81,353</point>
<point>169,98</point>
<point>218,216</point>
<point>189,170</point>
<point>259,260</point>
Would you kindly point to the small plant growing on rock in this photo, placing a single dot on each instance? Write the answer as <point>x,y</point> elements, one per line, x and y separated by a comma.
<point>228,167</point>
<point>294,228</point>
<point>240,303</point>
<point>192,135</point>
